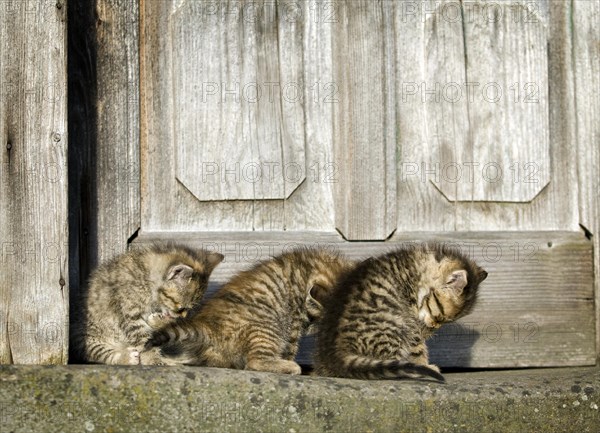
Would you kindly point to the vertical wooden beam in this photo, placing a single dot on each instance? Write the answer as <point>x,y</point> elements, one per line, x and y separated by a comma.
<point>104,69</point>
<point>586,74</point>
<point>364,119</point>
<point>118,120</point>
<point>104,197</point>
<point>34,290</point>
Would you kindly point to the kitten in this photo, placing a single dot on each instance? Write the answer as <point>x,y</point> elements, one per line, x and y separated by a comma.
<point>255,320</point>
<point>378,317</point>
<point>135,294</point>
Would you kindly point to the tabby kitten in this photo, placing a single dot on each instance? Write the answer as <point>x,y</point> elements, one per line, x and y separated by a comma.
<point>135,294</point>
<point>378,317</point>
<point>255,320</point>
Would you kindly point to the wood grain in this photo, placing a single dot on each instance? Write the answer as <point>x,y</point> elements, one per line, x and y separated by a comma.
<point>118,140</point>
<point>420,204</point>
<point>161,190</point>
<point>423,207</point>
<point>238,124</point>
<point>486,96</point>
<point>364,121</point>
<point>311,206</point>
<point>536,308</point>
<point>586,64</point>
<point>34,287</point>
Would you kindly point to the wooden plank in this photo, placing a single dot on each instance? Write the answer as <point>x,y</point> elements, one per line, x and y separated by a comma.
<point>239,126</point>
<point>311,206</point>
<point>364,121</point>
<point>118,140</point>
<point>104,107</point>
<point>422,205</point>
<point>536,307</point>
<point>487,101</point>
<point>586,65</point>
<point>34,288</point>
<point>166,203</point>
<point>555,208</point>
<point>419,200</point>
<point>162,193</point>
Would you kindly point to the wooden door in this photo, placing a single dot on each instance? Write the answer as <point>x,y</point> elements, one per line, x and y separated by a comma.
<point>364,124</point>
<point>34,236</point>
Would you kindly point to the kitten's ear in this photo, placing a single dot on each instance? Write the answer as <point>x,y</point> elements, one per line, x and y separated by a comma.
<point>457,281</point>
<point>314,300</point>
<point>213,259</point>
<point>318,292</point>
<point>482,275</point>
<point>180,273</point>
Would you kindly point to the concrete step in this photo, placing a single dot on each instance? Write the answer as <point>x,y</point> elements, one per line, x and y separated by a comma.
<point>78,398</point>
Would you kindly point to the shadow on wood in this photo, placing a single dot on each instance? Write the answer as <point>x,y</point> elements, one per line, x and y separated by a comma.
<point>83,133</point>
<point>452,344</point>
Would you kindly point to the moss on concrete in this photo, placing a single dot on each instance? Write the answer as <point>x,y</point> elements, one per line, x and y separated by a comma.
<point>189,399</point>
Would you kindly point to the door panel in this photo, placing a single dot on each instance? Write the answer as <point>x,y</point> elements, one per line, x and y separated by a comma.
<point>486,93</point>
<point>238,121</point>
<point>435,191</point>
<point>236,130</point>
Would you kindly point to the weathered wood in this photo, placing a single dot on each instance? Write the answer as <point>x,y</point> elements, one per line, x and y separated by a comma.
<point>239,124</point>
<point>421,203</point>
<point>486,98</point>
<point>118,139</point>
<point>586,64</point>
<point>536,308</point>
<point>161,191</point>
<point>418,200</point>
<point>104,167</point>
<point>311,206</point>
<point>364,120</point>
<point>169,205</point>
<point>34,287</point>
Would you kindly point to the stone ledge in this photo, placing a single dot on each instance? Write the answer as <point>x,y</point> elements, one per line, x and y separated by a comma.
<point>192,399</point>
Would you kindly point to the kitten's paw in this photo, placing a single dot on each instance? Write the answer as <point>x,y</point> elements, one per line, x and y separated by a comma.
<point>128,356</point>
<point>134,356</point>
<point>274,366</point>
<point>156,320</point>
<point>153,357</point>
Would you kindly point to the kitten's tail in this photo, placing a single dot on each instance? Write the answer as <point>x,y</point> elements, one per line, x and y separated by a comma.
<point>177,332</point>
<point>360,367</point>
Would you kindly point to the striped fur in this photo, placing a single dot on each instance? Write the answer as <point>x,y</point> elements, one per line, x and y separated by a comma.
<point>378,317</point>
<point>254,321</point>
<point>136,293</point>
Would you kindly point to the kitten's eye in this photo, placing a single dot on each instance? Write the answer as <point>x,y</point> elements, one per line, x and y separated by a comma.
<point>180,310</point>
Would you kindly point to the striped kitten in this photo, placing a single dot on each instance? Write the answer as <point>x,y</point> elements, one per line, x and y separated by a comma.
<point>135,294</point>
<point>254,321</point>
<point>378,317</point>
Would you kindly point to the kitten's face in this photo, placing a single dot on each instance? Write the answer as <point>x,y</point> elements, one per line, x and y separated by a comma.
<point>452,292</point>
<point>178,296</point>
<point>183,289</point>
